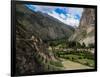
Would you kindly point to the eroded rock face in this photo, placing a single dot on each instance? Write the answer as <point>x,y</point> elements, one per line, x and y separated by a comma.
<point>85,31</point>
<point>88,18</point>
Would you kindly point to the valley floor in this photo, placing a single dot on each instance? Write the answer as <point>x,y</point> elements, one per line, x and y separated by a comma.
<point>70,65</point>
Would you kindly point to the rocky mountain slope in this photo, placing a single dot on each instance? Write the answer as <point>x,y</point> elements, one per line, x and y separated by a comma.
<point>42,25</point>
<point>32,29</point>
<point>32,55</point>
<point>85,31</point>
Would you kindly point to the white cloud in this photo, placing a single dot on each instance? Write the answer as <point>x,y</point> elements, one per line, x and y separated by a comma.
<point>72,21</point>
<point>75,11</point>
<point>54,14</point>
<point>45,9</point>
<point>62,16</point>
<point>68,18</point>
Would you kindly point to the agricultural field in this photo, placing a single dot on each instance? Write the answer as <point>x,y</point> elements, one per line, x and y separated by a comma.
<point>77,57</point>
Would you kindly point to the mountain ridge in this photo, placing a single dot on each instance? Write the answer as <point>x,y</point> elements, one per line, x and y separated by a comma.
<point>46,27</point>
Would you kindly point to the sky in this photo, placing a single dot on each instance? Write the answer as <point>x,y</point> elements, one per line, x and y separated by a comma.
<point>68,15</point>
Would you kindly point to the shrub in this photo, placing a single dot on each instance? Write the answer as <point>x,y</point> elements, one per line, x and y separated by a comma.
<point>67,57</point>
<point>56,63</point>
<point>91,45</point>
<point>87,64</point>
<point>80,57</point>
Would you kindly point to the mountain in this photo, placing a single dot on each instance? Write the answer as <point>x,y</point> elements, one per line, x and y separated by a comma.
<point>42,25</point>
<point>85,31</point>
<point>32,28</point>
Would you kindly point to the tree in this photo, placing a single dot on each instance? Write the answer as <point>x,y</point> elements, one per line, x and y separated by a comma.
<point>72,44</point>
<point>78,44</point>
<point>83,45</point>
<point>91,45</point>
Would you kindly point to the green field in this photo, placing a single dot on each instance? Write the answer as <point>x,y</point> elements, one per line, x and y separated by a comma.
<point>73,54</point>
<point>82,59</point>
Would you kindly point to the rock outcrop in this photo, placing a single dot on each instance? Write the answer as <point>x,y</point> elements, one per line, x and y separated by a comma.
<point>85,31</point>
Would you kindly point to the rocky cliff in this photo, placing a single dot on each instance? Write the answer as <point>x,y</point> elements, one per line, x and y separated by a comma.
<point>85,31</point>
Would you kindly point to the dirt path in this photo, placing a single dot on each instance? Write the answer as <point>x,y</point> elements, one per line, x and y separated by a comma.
<point>69,65</point>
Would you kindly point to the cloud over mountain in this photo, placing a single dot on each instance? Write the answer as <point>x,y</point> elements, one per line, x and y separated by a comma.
<point>67,15</point>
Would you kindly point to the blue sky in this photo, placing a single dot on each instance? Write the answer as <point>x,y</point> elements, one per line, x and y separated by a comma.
<point>68,15</point>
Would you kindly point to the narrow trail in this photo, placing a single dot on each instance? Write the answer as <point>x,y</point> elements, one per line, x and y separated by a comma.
<point>70,65</point>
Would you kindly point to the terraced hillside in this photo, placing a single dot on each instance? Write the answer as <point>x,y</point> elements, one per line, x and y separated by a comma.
<point>32,55</point>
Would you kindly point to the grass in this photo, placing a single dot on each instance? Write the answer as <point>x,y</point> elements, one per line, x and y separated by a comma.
<point>70,65</point>
<point>87,62</point>
<point>73,58</point>
<point>79,58</point>
<point>56,63</point>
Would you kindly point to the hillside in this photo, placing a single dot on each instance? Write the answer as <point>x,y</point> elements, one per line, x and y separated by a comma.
<point>32,55</point>
<point>42,25</point>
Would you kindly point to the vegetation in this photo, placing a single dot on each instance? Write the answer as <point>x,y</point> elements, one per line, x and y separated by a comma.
<point>56,63</point>
<point>68,44</point>
<point>91,45</point>
<point>83,56</point>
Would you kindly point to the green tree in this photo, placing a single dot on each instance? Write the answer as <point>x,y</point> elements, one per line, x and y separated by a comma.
<point>83,45</point>
<point>91,45</point>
